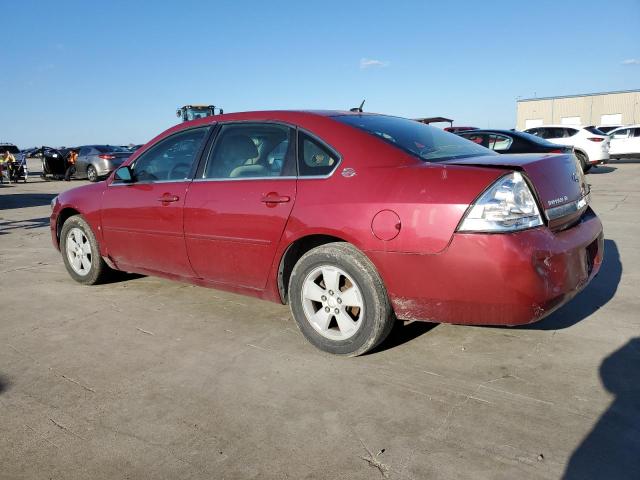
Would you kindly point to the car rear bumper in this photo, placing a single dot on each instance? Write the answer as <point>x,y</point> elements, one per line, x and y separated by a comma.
<point>598,154</point>
<point>494,279</point>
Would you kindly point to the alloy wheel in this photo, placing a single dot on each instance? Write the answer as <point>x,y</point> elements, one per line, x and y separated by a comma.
<point>79,251</point>
<point>332,302</point>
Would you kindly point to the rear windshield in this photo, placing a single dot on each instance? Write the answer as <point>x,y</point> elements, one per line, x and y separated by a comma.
<point>110,148</point>
<point>594,130</point>
<point>10,148</point>
<point>428,143</point>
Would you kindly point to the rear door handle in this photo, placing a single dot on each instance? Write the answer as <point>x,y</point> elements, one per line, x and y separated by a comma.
<point>166,198</point>
<point>275,198</point>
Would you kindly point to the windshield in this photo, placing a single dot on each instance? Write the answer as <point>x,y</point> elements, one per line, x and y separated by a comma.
<point>194,113</point>
<point>9,148</point>
<point>594,130</point>
<point>427,143</point>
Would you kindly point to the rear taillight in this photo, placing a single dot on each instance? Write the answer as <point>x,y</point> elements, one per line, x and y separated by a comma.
<point>557,150</point>
<point>596,139</point>
<point>106,156</point>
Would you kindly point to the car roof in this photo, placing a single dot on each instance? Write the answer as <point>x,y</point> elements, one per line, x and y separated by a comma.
<point>636,125</point>
<point>560,126</point>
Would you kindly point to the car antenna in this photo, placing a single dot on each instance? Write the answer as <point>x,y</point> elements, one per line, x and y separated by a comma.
<point>357,109</point>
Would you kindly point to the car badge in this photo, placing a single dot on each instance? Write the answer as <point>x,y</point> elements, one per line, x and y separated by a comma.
<point>348,172</point>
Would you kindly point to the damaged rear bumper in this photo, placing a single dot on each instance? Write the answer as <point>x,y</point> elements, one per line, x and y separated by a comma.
<point>494,279</point>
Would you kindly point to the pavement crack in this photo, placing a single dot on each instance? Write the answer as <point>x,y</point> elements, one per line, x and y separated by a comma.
<point>62,427</point>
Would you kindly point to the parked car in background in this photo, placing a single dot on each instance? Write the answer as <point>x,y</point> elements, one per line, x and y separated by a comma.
<point>340,214</point>
<point>590,145</point>
<point>625,142</point>
<point>98,161</point>
<point>512,141</point>
<point>458,129</point>
<point>607,128</point>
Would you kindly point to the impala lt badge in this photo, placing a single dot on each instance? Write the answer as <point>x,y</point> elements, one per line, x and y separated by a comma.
<point>557,201</point>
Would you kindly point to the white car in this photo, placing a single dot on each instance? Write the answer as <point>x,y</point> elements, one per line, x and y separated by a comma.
<point>589,144</point>
<point>625,142</point>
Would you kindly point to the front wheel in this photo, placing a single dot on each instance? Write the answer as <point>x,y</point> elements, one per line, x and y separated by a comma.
<point>92,174</point>
<point>584,162</point>
<point>81,252</point>
<point>338,300</point>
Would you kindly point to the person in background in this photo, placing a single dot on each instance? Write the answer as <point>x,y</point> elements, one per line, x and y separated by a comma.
<point>71,162</point>
<point>6,164</point>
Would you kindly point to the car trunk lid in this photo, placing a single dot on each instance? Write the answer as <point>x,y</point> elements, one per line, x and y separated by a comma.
<point>557,180</point>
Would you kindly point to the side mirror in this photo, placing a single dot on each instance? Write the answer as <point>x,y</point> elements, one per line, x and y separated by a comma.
<point>124,174</point>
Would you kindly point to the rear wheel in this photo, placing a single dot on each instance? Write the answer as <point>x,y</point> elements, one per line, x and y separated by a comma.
<point>338,300</point>
<point>92,174</point>
<point>582,158</point>
<point>81,252</point>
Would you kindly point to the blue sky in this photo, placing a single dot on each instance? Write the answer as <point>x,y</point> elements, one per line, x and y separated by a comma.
<point>114,72</point>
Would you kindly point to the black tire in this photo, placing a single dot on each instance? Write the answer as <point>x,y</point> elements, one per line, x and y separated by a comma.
<point>92,174</point>
<point>99,270</point>
<point>378,317</point>
<point>582,158</point>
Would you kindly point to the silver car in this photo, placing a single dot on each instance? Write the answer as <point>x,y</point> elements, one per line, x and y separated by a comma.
<point>98,161</point>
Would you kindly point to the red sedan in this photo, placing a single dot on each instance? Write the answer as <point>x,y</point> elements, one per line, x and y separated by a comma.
<point>354,219</point>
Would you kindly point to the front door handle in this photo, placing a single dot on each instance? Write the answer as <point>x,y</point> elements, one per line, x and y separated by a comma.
<point>275,198</point>
<point>166,198</point>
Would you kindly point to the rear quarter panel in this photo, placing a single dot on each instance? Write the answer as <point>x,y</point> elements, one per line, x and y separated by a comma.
<point>428,199</point>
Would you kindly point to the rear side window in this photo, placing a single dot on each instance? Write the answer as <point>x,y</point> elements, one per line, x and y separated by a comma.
<point>252,151</point>
<point>314,158</point>
<point>570,132</point>
<point>636,132</point>
<point>85,151</point>
<point>500,143</point>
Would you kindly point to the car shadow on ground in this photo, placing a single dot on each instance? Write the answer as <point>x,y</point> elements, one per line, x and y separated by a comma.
<point>601,289</point>
<point>612,448</point>
<point>25,200</point>
<point>602,169</point>
<point>402,333</point>
<point>4,384</point>
<point>7,225</point>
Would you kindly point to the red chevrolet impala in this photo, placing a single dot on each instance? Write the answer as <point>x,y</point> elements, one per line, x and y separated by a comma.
<point>354,219</point>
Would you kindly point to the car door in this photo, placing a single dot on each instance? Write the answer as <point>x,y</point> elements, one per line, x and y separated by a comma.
<point>634,143</point>
<point>81,162</point>
<point>142,220</point>
<point>620,141</point>
<point>239,203</point>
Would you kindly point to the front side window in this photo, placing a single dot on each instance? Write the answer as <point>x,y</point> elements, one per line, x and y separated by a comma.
<point>170,159</point>
<point>624,133</point>
<point>251,151</point>
<point>315,159</point>
<point>428,143</point>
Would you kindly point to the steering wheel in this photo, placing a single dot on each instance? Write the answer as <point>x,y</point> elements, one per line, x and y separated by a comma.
<point>181,169</point>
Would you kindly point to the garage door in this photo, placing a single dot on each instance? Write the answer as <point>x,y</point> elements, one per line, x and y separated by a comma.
<point>536,122</point>
<point>611,119</point>
<point>570,120</point>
